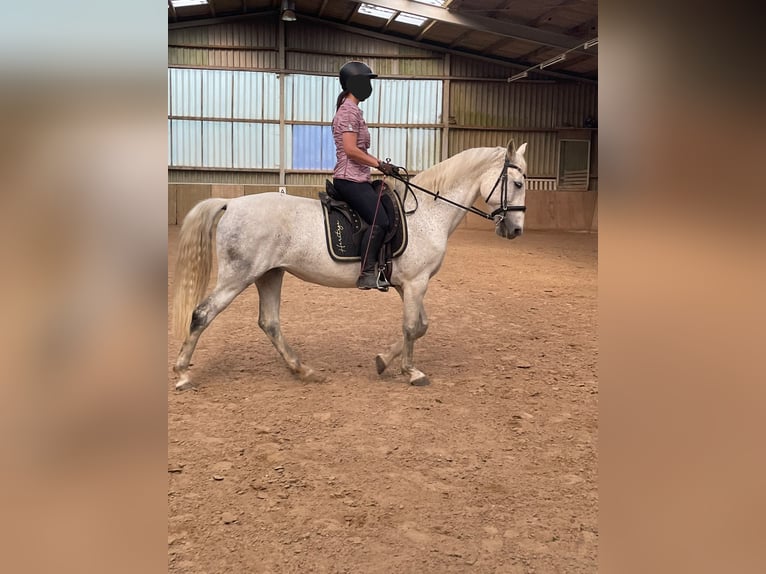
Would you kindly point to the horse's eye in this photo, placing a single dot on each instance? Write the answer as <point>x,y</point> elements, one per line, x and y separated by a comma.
<point>518,184</point>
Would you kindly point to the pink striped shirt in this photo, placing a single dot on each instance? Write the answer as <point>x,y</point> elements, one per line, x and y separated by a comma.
<point>349,118</point>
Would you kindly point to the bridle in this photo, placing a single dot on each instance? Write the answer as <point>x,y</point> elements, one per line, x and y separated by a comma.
<point>503,181</point>
<point>498,214</point>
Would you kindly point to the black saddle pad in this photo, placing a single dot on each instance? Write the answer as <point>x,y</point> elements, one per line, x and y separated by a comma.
<point>344,228</point>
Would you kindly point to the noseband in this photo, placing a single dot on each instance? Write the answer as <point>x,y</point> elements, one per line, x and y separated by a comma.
<point>503,181</point>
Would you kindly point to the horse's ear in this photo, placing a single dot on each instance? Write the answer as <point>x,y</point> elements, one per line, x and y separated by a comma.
<point>522,149</point>
<point>511,148</point>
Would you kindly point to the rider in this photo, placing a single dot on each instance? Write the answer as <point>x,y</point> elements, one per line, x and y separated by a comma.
<point>351,177</point>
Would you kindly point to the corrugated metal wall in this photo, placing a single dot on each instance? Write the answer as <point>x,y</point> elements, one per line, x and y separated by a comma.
<point>500,105</point>
<point>304,36</point>
<point>237,59</point>
<point>253,33</point>
<point>228,114</point>
<point>470,68</point>
<point>541,146</point>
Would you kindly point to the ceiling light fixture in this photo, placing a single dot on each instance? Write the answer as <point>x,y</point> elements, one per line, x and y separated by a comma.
<point>556,60</point>
<point>185,3</point>
<point>288,11</point>
<point>560,58</point>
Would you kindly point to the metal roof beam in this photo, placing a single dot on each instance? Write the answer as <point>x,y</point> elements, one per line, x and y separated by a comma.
<point>194,23</point>
<point>353,13</point>
<point>425,30</point>
<point>479,23</point>
<point>457,39</point>
<point>494,45</point>
<point>391,19</point>
<point>444,49</point>
<point>548,13</point>
<point>585,29</point>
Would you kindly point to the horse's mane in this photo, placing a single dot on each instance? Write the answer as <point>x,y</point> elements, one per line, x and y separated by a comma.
<point>455,166</point>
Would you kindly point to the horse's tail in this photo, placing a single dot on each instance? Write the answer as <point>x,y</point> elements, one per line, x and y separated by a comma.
<point>195,261</point>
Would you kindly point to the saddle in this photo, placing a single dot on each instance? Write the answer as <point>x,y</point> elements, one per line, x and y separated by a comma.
<point>344,228</point>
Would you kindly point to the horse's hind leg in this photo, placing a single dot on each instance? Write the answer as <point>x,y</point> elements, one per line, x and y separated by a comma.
<point>269,291</point>
<point>382,360</point>
<point>223,294</point>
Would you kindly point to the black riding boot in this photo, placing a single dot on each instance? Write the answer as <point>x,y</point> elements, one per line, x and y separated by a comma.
<point>369,278</point>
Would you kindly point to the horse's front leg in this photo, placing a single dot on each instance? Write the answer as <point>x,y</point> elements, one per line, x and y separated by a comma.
<point>414,326</point>
<point>269,292</point>
<point>383,360</point>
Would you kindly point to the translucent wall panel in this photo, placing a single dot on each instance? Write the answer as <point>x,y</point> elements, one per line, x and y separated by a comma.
<point>186,92</point>
<point>170,111</point>
<point>414,148</point>
<point>248,145</point>
<point>303,98</point>
<point>404,102</point>
<point>256,96</point>
<point>311,98</point>
<point>371,107</point>
<point>240,95</point>
<point>216,144</point>
<point>330,92</point>
<point>256,146</point>
<point>389,143</point>
<point>394,100</point>
<point>425,102</point>
<point>271,146</point>
<point>187,143</point>
<point>423,148</point>
<point>216,94</point>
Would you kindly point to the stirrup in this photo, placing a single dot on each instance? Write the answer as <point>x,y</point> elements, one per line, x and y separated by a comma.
<point>381,281</point>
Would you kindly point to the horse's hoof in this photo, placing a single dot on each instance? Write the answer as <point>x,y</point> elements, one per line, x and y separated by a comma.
<point>311,376</point>
<point>380,364</point>
<point>184,384</point>
<point>420,381</point>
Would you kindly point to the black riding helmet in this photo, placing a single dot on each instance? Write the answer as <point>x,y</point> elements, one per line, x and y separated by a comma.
<point>351,69</point>
<point>355,78</point>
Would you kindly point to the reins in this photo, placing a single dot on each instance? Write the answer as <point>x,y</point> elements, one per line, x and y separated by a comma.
<point>502,179</point>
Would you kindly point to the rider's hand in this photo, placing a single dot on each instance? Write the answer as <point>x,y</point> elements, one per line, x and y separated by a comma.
<point>387,168</point>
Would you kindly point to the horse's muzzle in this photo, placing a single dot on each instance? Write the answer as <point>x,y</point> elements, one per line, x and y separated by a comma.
<point>511,232</point>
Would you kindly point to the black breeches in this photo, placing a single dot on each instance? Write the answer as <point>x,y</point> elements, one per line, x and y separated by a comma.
<point>363,199</point>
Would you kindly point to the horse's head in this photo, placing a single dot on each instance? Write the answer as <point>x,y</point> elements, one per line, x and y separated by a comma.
<point>507,193</point>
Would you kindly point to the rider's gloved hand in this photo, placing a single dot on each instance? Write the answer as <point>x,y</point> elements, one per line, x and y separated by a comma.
<point>387,168</point>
